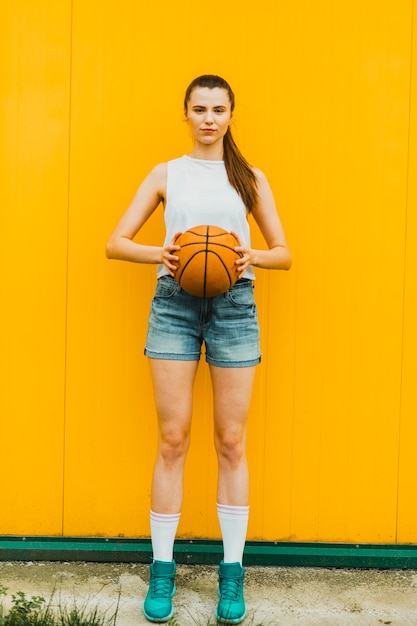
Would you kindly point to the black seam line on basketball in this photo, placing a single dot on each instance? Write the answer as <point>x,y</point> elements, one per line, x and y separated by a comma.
<point>207,227</point>
<point>224,265</point>
<point>182,270</point>
<point>205,262</point>
<point>206,252</point>
<point>205,266</point>
<point>195,243</point>
<point>212,243</point>
<point>188,262</point>
<point>194,232</point>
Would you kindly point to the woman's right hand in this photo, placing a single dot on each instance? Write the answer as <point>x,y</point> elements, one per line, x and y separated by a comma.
<point>169,258</point>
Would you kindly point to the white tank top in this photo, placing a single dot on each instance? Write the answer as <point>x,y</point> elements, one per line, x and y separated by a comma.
<point>199,192</point>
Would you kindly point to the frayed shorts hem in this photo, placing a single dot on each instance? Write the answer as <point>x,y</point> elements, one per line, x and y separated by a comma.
<point>170,356</point>
<point>233,363</point>
<point>196,357</point>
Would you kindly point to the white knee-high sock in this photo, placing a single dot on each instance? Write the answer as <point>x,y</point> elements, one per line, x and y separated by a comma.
<point>163,531</point>
<point>234,525</point>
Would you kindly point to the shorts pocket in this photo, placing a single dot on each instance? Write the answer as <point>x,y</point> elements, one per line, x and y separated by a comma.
<point>241,295</point>
<point>166,287</point>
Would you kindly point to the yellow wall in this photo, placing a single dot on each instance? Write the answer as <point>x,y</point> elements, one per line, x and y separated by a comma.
<point>327,106</point>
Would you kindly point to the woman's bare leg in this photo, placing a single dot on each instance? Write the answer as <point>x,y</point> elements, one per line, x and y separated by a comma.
<point>232,391</point>
<point>173,388</point>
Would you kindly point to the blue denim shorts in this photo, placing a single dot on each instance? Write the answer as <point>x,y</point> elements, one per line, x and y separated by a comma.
<point>180,323</point>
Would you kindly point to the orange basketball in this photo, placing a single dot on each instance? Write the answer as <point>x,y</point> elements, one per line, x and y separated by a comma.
<point>206,261</point>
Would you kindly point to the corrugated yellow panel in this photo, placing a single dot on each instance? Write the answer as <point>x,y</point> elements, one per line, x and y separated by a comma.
<point>35,84</point>
<point>110,418</point>
<point>339,451</point>
<point>407,502</point>
<point>377,273</point>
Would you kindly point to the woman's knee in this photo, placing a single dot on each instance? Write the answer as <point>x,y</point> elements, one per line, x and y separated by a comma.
<point>230,448</point>
<point>173,445</point>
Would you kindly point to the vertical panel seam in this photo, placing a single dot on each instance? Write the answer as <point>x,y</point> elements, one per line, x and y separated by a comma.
<point>67,269</point>
<point>405,266</point>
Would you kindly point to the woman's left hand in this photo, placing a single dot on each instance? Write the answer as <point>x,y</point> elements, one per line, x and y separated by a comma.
<point>245,260</point>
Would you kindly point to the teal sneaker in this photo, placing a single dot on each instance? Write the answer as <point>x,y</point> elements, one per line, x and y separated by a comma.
<point>231,608</point>
<point>158,605</point>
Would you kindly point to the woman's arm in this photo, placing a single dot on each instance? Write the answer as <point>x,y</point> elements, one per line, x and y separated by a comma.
<point>278,255</point>
<point>121,245</point>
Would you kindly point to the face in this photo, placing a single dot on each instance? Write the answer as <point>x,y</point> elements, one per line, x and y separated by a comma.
<point>208,114</point>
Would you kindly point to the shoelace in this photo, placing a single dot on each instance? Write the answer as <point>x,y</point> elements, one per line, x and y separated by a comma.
<point>161,587</point>
<point>230,588</point>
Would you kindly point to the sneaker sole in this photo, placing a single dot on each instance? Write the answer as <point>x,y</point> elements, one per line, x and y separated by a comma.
<point>159,620</point>
<point>228,620</point>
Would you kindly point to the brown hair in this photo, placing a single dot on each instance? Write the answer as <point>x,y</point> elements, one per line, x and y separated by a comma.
<point>239,172</point>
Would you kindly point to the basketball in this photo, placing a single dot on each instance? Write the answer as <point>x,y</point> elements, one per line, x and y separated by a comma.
<point>207,259</point>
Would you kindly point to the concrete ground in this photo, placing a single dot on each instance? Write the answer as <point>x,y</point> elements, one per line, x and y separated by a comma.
<point>275,596</point>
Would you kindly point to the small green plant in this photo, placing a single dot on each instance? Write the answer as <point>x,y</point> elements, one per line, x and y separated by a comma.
<point>25,611</point>
<point>34,611</point>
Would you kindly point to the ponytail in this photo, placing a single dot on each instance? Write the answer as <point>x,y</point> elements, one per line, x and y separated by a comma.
<point>240,174</point>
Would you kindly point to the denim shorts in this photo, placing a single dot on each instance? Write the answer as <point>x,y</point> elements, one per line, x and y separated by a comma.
<point>180,323</point>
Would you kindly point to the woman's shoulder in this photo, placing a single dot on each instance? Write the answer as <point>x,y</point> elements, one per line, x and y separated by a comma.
<point>161,169</point>
<point>158,175</point>
<point>262,182</point>
<point>259,174</point>
<point>156,180</point>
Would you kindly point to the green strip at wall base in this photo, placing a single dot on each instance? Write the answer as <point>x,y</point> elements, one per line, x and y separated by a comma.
<point>207,552</point>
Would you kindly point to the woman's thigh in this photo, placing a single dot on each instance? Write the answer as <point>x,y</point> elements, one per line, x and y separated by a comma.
<point>173,383</point>
<point>232,392</point>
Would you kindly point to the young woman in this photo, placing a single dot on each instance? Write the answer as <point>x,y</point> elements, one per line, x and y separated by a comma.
<point>214,184</point>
